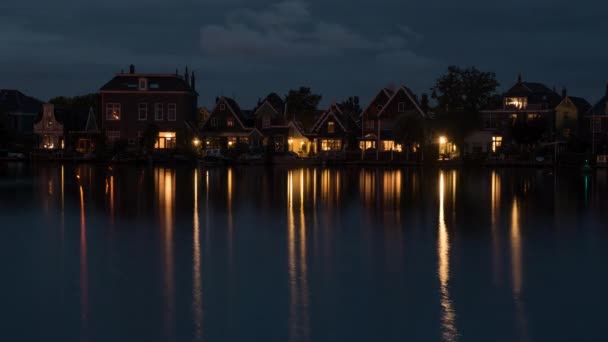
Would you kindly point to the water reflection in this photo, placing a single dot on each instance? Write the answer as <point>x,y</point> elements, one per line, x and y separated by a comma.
<point>84,280</point>
<point>299,325</point>
<point>516,269</point>
<point>165,190</point>
<point>448,315</point>
<point>197,287</point>
<point>495,215</point>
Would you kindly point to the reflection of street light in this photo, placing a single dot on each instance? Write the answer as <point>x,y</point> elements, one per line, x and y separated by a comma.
<point>443,140</point>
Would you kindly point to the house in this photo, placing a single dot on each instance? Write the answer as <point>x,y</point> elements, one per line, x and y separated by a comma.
<point>380,119</point>
<point>84,138</point>
<point>569,114</point>
<point>228,125</point>
<point>49,130</point>
<point>134,102</point>
<point>18,112</point>
<point>595,125</point>
<point>334,130</point>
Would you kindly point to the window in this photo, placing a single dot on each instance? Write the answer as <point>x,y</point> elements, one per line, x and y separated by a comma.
<point>172,112</point>
<point>401,107</point>
<point>158,111</point>
<point>379,107</point>
<point>516,102</point>
<point>113,135</point>
<point>165,141</point>
<point>369,124</point>
<point>533,116</point>
<point>331,127</point>
<point>222,106</point>
<point>143,84</point>
<point>153,85</point>
<point>266,121</point>
<point>496,143</point>
<point>231,142</point>
<point>244,140</point>
<point>213,122</point>
<point>279,143</point>
<point>596,124</point>
<point>143,112</point>
<point>230,123</point>
<point>367,144</point>
<point>131,141</point>
<point>113,111</point>
<point>331,145</point>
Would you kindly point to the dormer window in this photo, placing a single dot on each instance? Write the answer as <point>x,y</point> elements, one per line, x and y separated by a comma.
<point>516,102</point>
<point>143,84</point>
<point>331,127</point>
<point>222,106</point>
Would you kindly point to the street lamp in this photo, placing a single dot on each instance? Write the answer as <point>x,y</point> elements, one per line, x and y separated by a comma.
<point>196,142</point>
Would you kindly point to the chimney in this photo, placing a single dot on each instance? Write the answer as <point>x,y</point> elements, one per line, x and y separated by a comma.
<point>131,69</point>
<point>193,81</point>
<point>424,103</point>
<point>519,78</point>
<point>564,93</point>
<point>187,76</point>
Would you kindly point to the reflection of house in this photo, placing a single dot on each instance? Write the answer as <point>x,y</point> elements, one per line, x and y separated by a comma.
<point>380,117</point>
<point>49,130</point>
<point>596,125</point>
<point>18,112</point>
<point>132,103</point>
<point>568,115</point>
<point>228,125</point>
<point>334,131</point>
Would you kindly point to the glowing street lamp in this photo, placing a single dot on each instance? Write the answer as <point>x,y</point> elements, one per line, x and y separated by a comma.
<point>196,142</point>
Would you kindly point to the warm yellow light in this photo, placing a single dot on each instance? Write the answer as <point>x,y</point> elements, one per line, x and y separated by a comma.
<point>196,142</point>
<point>230,143</point>
<point>208,142</point>
<point>302,143</point>
<point>166,134</point>
<point>443,140</point>
<point>290,141</point>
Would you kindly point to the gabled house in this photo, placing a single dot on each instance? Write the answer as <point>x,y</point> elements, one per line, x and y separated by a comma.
<point>334,131</point>
<point>270,120</point>
<point>133,102</point>
<point>18,112</point>
<point>49,130</point>
<point>369,119</point>
<point>596,125</point>
<point>569,114</point>
<point>228,125</point>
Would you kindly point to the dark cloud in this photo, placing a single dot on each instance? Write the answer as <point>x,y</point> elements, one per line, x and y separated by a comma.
<point>245,48</point>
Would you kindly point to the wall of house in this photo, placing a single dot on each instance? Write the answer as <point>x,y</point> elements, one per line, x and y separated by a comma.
<point>220,117</point>
<point>566,115</point>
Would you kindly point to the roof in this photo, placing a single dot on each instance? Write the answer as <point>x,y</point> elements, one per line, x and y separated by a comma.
<point>245,116</point>
<point>581,104</point>
<point>601,107</point>
<point>15,101</point>
<point>129,82</point>
<point>412,97</point>
<point>535,92</point>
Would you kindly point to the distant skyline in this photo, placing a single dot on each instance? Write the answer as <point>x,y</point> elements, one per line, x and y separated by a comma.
<point>248,48</point>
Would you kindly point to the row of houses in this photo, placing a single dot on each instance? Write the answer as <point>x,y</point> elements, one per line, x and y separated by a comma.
<point>132,102</point>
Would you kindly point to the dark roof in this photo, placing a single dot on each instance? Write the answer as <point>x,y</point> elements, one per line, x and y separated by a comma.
<point>276,102</point>
<point>535,92</point>
<point>15,101</point>
<point>155,82</point>
<point>581,104</point>
<point>600,107</point>
<point>246,116</point>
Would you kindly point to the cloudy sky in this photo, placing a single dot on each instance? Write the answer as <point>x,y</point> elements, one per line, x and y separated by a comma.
<point>247,48</point>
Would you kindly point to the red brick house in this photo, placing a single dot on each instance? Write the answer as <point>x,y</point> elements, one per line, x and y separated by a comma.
<point>131,102</point>
<point>369,119</point>
<point>228,125</point>
<point>334,130</point>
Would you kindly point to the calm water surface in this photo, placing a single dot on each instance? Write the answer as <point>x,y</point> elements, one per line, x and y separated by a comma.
<point>315,254</point>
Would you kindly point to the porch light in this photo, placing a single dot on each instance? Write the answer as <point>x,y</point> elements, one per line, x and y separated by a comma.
<point>290,141</point>
<point>196,142</point>
<point>443,140</point>
<point>230,143</point>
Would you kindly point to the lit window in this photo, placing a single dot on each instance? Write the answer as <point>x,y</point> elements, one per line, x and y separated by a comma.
<point>113,111</point>
<point>388,145</point>
<point>496,143</point>
<point>516,102</point>
<point>331,145</point>
<point>331,127</point>
<point>143,111</point>
<point>165,140</point>
<point>232,142</point>
<point>367,144</point>
<point>172,112</point>
<point>401,107</point>
<point>158,111</point>
<point>533,116</point>
<point>143,84</point>
<point>230,123</point>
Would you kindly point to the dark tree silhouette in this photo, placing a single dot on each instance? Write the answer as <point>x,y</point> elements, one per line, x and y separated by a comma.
<point>302,105</point>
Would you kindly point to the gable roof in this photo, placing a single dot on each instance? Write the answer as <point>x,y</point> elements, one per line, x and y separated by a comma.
<point>156,82</point>
<point>15,101</point>
<point>535,93</point>
<point>410,96</point>
<point>581,104</point>
<point>384,91</point>
<point>345,120</point>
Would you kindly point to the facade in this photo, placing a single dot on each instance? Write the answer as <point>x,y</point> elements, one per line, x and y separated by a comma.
<point>133,102</point>
<point>228,125</point>
<point>334,131</point>
<point>18,112</point>
<point>595,125</point>
<point>569,114</point>
<point>49,130</point>
<point>369,120</point>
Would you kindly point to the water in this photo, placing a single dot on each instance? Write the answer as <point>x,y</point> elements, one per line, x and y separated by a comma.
<point>345,254</point>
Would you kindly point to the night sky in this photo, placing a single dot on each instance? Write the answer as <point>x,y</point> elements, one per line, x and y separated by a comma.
<point>247,48</point>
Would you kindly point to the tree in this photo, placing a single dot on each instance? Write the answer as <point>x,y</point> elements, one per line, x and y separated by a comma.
<point>461,94</point>
<point>352,107</point>
<point>302,105</point>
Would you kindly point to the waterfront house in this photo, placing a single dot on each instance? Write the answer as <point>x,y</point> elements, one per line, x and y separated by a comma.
<point>335,130</point>
<point>228,125</point>
<point>49,130</point>
<point>569,114</point>
<point>135,102</point>
<point>596,125</point>
<point>18,112</point>
<point>369,120</point>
